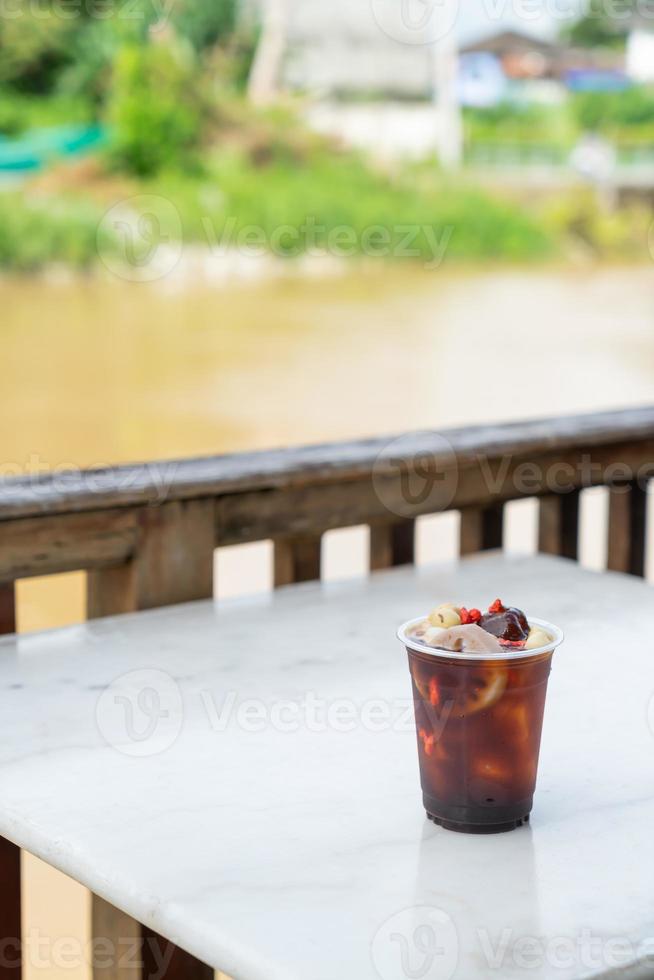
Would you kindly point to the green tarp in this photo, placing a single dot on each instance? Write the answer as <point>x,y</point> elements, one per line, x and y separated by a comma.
<point>36,149</point>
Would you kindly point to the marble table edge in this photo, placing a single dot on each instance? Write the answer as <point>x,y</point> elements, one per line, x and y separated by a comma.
<point>235,960</point>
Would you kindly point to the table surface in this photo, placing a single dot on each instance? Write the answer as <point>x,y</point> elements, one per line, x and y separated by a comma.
<point>243,779</point>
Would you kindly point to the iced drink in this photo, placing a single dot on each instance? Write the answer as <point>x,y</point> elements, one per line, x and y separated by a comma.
<point>479,685</point>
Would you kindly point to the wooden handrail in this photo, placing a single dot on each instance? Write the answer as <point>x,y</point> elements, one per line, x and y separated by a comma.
<point>331,463</point>
<point>103,520</point>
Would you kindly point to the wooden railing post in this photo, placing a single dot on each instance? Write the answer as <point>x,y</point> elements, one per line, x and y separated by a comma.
<point>10,912</point>
<point>172,562</point>
<point>627,528</point>
<point>162,957</point>
<point>481,529</point>
<point>118,943</point>
<point>10,883</point>
<point>7,607</point>
<point>392,544</point>
<point>558,525</point>
<point>297,559</point>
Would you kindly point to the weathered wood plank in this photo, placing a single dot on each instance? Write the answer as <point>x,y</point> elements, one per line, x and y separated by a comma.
<point>117,943</point>
<point>558,525</point>
<point>172,561</point>
<point>66,542</point>
<point>627,529</point>
<point>297,559</point>
<point>254,516</point>
<point>7,607</point>
<point>165,961</point>
<point>392,544</point>
<point>102,538</point>
<point>190,478</point>
<point>481,529</point>
<point>96,539</point>
<point>10,911</point>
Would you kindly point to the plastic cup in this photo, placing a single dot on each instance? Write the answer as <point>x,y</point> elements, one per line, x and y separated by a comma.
<point>479,720</point>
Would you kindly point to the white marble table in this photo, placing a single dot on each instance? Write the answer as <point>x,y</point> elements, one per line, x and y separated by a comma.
<point>255,798</point>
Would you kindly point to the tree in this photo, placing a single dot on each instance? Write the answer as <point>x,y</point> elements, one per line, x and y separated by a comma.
<point>33,46</point>
<point>605,24</point>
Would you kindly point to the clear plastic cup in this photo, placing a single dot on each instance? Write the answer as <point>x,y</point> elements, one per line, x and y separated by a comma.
<point>479,719</point>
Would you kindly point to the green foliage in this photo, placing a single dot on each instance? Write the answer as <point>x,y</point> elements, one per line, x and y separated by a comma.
<point>33,45</point>
<point>157,109</point>
<point>20,112</point>
<point>93,50</point>
<point>205,22</point>
<point>578,219</point>
<point>612,111</point>
<point>53,46</point>
<point>37,232</point>
<point>94,46</point>
<point>339,193</point>
<point>509,122</point>
<point>602,26</point>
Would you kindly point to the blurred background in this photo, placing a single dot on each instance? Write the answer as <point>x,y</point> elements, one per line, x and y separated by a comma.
<point>237,224</point>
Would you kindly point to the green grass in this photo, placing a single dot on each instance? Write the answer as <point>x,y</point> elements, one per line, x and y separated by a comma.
<point>20,113</point>
<point>553,126</point>
<point>338,198</point>
<point>37,232</point>
<point>304,197</point>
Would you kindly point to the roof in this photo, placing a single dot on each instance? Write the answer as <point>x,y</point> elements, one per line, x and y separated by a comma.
<point>511,42</point>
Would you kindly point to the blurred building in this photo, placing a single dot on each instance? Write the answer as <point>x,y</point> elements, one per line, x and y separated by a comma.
<point>520,56</point>
<point>525,59</point>
<point>482,82</point>
<point>342,49</point>
<point>640,55</point>
<point>375,73</point>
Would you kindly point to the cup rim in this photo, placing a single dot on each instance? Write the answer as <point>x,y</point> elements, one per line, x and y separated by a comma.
<point>511,654</point>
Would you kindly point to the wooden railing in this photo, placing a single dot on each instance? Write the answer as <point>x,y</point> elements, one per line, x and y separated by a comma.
<point>146,534</point>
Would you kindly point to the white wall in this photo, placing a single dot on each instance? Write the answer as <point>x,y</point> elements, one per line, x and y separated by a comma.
<point>640,56</point>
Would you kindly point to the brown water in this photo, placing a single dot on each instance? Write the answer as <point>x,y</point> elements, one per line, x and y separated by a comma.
<point>98,372</point>
<point>105,372</point>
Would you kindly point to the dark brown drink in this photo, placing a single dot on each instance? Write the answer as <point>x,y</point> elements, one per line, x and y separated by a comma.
<point>479,722</point>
